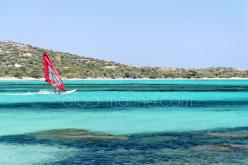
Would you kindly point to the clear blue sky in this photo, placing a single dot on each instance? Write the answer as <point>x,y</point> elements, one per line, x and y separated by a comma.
<point>167,33</point>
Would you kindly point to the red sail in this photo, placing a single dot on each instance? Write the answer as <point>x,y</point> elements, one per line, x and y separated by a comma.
<point>51,74</point>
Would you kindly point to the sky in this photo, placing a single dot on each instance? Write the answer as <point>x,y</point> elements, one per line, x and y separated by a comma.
<point>164,33</point>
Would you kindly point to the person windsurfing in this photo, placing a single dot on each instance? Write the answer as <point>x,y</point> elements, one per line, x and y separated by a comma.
<point>52,76</point>
<point>55,87</point>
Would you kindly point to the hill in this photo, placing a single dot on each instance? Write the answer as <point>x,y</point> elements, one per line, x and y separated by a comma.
<point>19,60</point>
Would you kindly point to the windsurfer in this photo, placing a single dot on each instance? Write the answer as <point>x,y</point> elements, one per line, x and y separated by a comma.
<point>55,87</point>
<point>52,75</point>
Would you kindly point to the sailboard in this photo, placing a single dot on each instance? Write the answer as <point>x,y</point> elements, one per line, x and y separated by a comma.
<point>69,92</point>
<point>52,76</point>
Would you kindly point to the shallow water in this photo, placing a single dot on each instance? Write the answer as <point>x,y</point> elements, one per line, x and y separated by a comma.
<point>165,121</point>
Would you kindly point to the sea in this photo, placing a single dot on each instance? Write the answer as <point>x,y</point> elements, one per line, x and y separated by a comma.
<point>124,122</point>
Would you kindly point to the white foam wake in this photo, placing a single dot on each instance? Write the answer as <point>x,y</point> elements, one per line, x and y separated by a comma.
<point>41,92</point>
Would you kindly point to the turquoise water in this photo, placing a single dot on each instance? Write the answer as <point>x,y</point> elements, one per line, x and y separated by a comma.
<point>134,108</point>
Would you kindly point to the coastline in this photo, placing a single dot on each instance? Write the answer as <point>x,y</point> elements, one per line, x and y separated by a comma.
<point>43,79</point>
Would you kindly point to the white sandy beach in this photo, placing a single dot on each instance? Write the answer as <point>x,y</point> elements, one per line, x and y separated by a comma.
<point>43,79</point>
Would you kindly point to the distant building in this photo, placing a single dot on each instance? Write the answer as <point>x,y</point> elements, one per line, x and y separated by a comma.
<point>17,65</point>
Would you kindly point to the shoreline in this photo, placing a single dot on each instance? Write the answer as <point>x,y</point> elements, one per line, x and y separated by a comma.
<point>77,79</point>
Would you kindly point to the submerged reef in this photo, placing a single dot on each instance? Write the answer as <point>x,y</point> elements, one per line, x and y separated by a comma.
<point>74,134</point>
<point>226,146</point>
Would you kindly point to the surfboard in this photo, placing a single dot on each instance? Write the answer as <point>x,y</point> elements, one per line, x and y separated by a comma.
<point>69,92</point>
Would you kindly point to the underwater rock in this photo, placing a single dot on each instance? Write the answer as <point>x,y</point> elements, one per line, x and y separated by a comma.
<point>157,139</point>
<point>234,146</point>
<point>213,148</point>
<point>74,134</point>
<point>227,135</point>
<point>220,147</point>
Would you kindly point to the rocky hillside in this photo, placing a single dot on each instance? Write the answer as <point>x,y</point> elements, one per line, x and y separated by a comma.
<point>19,60</point>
